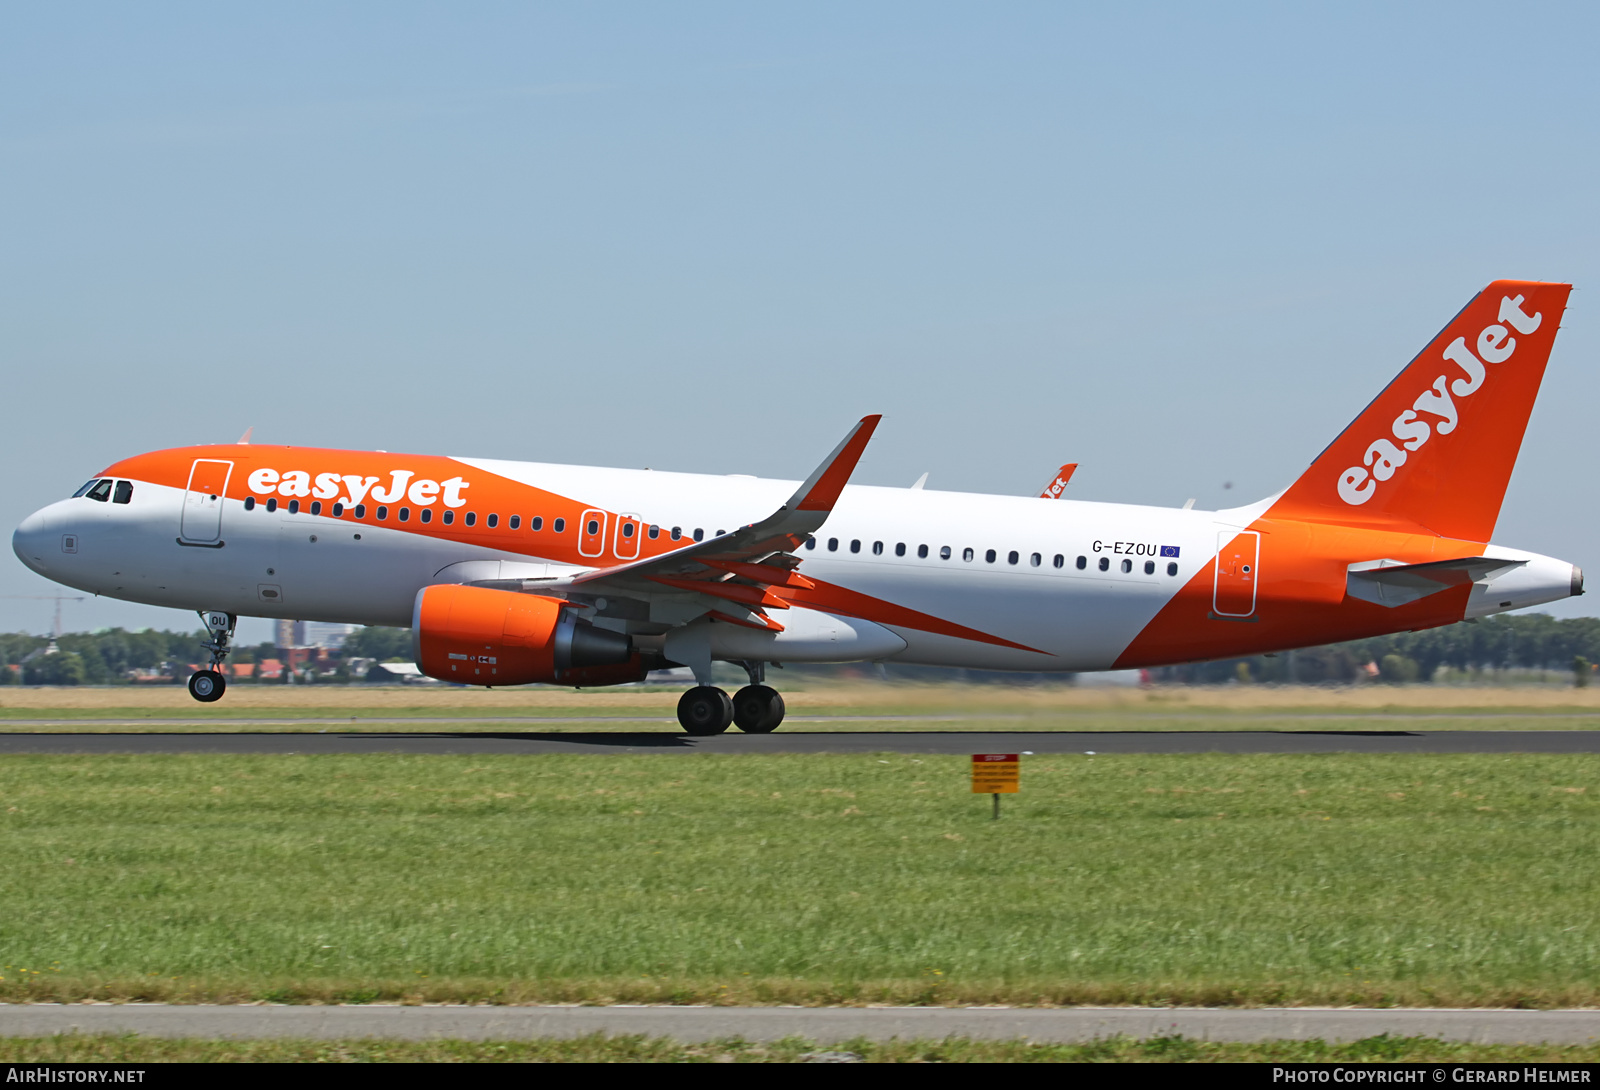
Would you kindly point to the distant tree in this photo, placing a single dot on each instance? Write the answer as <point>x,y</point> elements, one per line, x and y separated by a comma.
<point>382,644</point>
<point>61,668</point>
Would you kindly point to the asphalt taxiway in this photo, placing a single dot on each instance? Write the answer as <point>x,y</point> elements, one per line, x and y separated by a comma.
<point>805,741</point>
<point>824,1024</point>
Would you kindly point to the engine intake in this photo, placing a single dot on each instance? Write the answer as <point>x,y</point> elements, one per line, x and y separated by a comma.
<point>479,636</point>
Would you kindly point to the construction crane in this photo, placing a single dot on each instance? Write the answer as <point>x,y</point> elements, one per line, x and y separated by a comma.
<point>57,598</point>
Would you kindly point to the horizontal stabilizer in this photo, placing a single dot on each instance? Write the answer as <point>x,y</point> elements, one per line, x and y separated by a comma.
<point>1392,583</point>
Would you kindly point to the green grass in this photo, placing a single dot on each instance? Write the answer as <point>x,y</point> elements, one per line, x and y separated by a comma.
<point>73,1048</point>
<point>1205,879</point>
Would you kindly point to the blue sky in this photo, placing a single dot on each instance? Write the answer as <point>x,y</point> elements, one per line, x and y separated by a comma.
<point>1182,245</point>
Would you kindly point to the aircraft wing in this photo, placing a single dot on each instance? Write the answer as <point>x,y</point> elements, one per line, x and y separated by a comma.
<point>1391,583</point>
<point>736,570</point>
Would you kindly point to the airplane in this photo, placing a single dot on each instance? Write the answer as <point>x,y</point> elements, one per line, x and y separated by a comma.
<point>510,573</point>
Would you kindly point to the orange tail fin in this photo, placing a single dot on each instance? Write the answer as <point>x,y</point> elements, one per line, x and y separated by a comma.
<point>1437,446</point>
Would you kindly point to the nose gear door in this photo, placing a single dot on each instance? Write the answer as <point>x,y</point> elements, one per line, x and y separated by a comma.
<point>202,502</point>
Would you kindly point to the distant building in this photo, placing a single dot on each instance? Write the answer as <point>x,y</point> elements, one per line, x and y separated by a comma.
<point>313,634</point>
<point>403,672</point>
<point>322,634</point>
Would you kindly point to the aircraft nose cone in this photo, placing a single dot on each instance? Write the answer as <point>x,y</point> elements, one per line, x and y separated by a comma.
<point>32,539</point>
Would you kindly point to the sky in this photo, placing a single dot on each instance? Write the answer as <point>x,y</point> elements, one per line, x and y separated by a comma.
<point>1182,245</point>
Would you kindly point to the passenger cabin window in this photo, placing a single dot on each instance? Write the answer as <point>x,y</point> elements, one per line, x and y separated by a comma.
<point>1036,560</point>
<point>1083,562</point>
<point>316,508</point>
<point>1149,567</point>
<point>877,548</point>
<point>405,514</point>
<point>699,534</point>
<point>855,545</point>
<point>1127,566</point>
<point>272,505</point>
<point>922,552</point>
<point>833,544</point>
<point>493,521</point>
<point>516,522</point>
<point>472,518</point>
<point>124,492</point>
<point>677,533</point>
<point>1059,560</point>
<point>1172,569</point>
<point>655,532</point>
<point>294,508</point>
<point>559,526</point>
<point>944,552</point>
<point>989,556</point>
<point>449,517</point>
<point>967,555</point>
<point>101,491</point>
<point>1012,557</point>
<point>627,529</point>
<point>593,527</point>
<point>383,512</point>
<point>338,509</point>
<point>1105,563</point>
<point>537,524</point>
<point>427,515</point>
<point>900,549</point>
<point>249,503</point>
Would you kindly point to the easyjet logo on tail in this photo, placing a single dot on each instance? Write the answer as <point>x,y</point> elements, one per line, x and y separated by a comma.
<point>1416,425</point>
<point>298,483</point>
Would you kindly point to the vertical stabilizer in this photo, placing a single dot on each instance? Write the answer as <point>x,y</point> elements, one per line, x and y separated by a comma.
<point>1436,448</point>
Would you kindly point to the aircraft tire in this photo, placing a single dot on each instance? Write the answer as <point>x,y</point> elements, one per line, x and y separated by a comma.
<point>758,709</point>
<point>705,709</point>
<point>207,685</point>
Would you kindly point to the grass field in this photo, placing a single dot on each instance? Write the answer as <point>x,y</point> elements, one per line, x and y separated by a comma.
<point>601,1049</point>
<point>907,706</point>
<point>1204,879</point>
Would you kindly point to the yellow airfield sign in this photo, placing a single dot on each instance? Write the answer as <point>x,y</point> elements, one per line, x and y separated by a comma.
<point>996,773</point>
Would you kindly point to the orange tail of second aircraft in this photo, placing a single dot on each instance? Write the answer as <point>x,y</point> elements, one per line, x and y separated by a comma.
<point>1436,448</point>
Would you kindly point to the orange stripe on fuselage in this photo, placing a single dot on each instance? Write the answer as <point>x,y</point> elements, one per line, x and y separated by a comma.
<point>482,493</point>
<point>830,598</point>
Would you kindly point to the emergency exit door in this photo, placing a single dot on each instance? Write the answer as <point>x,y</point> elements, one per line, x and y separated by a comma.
<point>1238,558</point>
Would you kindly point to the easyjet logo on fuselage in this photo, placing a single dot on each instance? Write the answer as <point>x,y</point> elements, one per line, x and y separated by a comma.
<point>355,488</point>
<point>1358,484</point>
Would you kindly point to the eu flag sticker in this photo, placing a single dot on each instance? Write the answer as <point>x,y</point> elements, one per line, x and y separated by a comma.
<point>1169,550</point>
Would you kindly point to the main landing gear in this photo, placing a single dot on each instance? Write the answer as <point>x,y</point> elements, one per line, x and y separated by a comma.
<point>754,709</point>
<point>208,685</point>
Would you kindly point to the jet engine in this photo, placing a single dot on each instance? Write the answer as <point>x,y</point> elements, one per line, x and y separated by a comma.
<point>478,636</point>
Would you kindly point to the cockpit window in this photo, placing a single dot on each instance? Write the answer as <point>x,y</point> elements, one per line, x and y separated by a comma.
<point>101,491</point>
<point>124,493</point>
<point>84,490</point>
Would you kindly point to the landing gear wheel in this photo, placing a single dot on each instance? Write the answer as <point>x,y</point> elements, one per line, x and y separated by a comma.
<point>207,685</point>
<point>705,709</point>
<point>757,709</point>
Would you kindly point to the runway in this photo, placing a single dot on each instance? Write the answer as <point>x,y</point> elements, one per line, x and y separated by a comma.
<point>534,743</point>
<point>822,1024</point>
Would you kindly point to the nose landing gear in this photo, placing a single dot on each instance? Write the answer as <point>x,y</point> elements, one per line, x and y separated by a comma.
<point>754,709</point>
<point>208,685</point>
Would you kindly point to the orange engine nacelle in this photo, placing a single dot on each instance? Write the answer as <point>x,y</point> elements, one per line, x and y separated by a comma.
<point>478,636</point>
